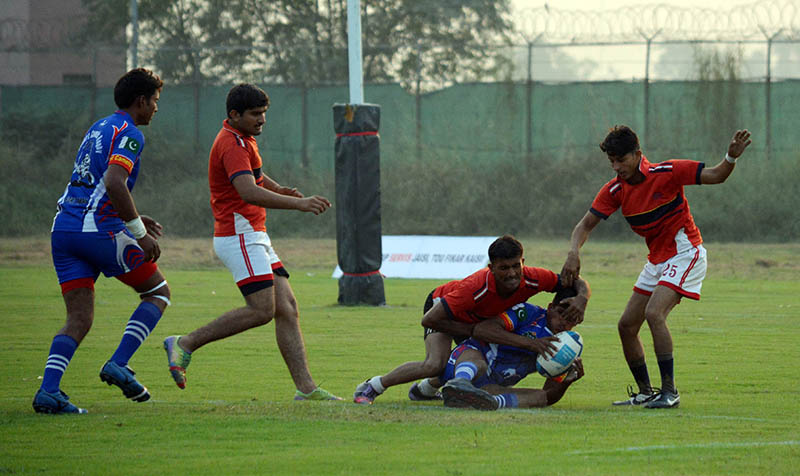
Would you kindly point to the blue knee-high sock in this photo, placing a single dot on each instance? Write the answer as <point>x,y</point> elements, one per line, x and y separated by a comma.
<point>61,351</point>
<point>466,370</point>
<point>507,400</point>
<point>140,325</point>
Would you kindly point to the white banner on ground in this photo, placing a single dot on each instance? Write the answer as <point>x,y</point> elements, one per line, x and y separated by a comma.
<point>432,257</point>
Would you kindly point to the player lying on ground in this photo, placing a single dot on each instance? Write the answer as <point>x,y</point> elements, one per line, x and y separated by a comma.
<point>481,375</point>
<point>453,309</point>
<point>98,229</point>
<point>651,198</point>
<point>240,193</point>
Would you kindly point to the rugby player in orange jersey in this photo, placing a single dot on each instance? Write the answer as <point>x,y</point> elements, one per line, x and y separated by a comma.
<point>453,309</point>
<point>240,195</point>
<point>652,201</point>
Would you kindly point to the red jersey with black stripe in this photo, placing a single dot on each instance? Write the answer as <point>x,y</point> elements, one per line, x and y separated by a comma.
<point>231,155</point>
<point>656,208</point>
<point>475,297</point>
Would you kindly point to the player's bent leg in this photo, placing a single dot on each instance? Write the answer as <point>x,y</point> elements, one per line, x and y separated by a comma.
<point>660,304</point>
<point>629,325</point>
<point>154,292</point>
<point>259,310</point>
<point>437,350</point>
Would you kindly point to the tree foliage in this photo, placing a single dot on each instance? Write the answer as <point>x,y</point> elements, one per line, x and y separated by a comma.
<point>305,41</point>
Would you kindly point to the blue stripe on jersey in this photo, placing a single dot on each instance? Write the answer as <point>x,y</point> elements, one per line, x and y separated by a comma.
<point>85,205</point>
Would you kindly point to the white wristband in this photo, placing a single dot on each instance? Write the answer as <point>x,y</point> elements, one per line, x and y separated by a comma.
<point>136,227</point>
<point>729,158</point>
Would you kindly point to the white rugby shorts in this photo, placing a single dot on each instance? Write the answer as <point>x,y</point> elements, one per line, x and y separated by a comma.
<point>683,273</point>
<point>249,256</point>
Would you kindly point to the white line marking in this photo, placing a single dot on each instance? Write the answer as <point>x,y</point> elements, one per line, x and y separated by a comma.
<point>744,444</point>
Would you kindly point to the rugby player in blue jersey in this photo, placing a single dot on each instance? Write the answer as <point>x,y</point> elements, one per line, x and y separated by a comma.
<point>98,229</point>
<point>481,375</point>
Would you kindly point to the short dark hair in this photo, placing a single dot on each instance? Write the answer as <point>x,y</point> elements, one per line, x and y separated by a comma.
<point>245,96</point>
<point>136,82</point>
<point>620,141</point>
<point>564,293</point>
<point>505,247</point>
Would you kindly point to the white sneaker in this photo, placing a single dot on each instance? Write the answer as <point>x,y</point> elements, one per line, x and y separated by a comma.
<point>636,398</point>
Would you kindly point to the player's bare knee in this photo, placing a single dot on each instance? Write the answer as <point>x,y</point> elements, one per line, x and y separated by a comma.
<point>432,367</point>
<point>77,325</point>
<point>287,310</point>
<point>262,315</point>
<point>158,295</point>
<point>654,318</point>
<point>627,328</point>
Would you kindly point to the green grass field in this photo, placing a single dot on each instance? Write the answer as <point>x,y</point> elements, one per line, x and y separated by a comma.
<point>736,357</point>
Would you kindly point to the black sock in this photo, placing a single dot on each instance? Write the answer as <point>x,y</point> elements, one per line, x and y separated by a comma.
<point>639,370</point>
<point>666,366</point>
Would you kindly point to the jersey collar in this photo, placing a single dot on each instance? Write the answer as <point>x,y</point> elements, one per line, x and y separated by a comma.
<point>644,166</point>
<point>125,115</point>
<point>226,125</point>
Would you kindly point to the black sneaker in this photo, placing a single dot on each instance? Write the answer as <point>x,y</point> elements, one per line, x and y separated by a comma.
<point>416,394</point>
<point>460,393</point>
<point>664,399</point>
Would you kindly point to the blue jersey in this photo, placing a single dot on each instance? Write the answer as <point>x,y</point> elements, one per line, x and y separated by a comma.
<point>507,365</point>
<point>85,206</point>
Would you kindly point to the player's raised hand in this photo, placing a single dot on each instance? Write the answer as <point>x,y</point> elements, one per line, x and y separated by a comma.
<point>153,227</point>
<point>739,142</point>
<point>314,204</point>
<point>571,269</point>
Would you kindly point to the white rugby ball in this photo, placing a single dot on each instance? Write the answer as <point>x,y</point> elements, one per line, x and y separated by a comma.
<point>568,347</point>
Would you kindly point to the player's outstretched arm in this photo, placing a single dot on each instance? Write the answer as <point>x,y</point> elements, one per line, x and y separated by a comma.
<point>271,184</point>
<point>572,265</point>
<point>720,172</point>
<point>491,330</point>
<point>250,192</point>
<point>555,389</point>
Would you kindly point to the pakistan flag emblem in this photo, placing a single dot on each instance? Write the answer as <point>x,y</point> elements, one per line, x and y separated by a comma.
<point>130,144</point>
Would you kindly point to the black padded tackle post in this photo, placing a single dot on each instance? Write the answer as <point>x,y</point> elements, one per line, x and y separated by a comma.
<point>358,203</point>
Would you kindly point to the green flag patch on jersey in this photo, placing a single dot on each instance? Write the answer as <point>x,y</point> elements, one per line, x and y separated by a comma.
<point>130,144</point>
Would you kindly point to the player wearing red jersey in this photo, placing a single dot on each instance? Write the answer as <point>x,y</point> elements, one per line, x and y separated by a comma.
<point>453,309</point>
<point>240,193</point>
<point>652,201</point>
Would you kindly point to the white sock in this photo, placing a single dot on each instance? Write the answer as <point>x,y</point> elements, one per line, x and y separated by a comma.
<point>376,384</point>
<point>426,388</point>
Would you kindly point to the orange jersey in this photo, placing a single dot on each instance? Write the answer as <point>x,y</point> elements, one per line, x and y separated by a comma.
<point>656,208</point>
<point>475,298</point>
<point>234,154</point>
